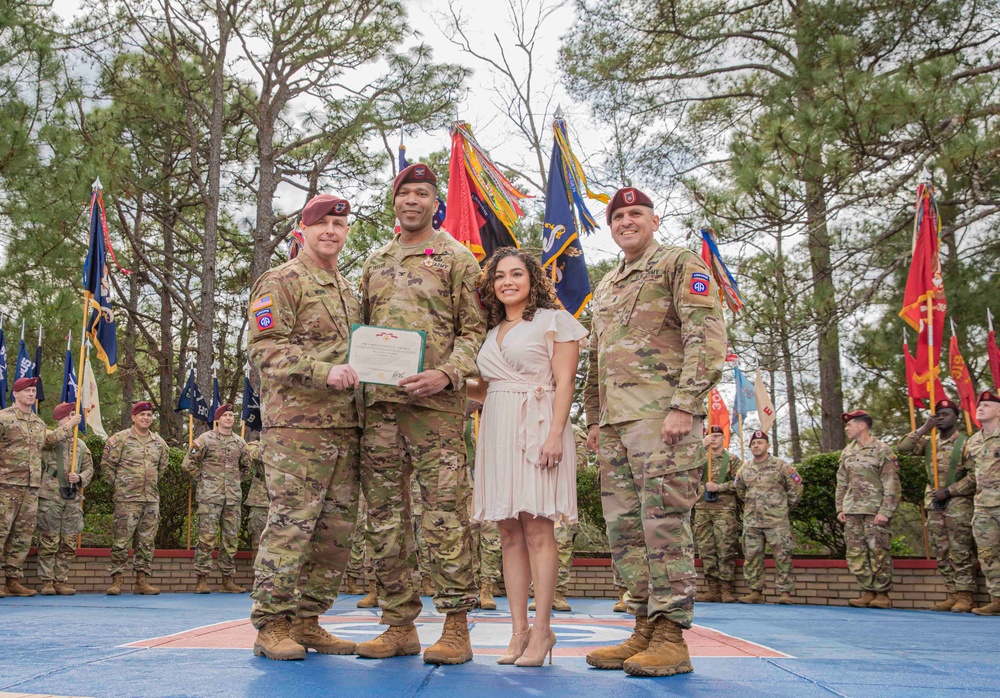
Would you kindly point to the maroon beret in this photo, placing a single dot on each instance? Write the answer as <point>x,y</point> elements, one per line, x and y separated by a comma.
<point>24,383</point>
<point>324,205</point>
<point>947,404</point>
<point>848,416</point>
<point>715,429</point>
<point>143,406</point>
<point>63,409</point>
<point>628,196</point>
<point>417,172</point>
<point>987,396</point>
<point>760,435</point>
<point>222,409</point>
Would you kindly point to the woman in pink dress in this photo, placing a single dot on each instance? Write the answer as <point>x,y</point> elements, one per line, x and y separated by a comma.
<point>525,455</point>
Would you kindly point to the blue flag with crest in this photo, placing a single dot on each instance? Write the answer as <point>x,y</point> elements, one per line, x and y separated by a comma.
<point>216,398</point>
<point>37,373</point>
<point>70,386</point>
<point>251,406</point>
<point>97,287</point>
<point>193,401</point>
<point>745,400</point>
<point>23,368</point>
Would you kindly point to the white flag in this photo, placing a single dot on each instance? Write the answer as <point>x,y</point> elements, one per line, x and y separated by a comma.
<point>765,408</point>
<point>90,401</point>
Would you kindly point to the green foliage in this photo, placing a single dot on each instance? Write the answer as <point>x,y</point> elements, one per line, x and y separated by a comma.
<point>588,498</point>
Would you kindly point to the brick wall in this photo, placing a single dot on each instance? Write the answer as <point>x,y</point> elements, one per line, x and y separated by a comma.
<point>916,582</point>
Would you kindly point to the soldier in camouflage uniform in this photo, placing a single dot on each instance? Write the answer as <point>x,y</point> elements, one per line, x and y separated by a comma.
<point>133,462</point>
<point>770,488</point>
<point>300,319</point>
<point>982,463</point>
<point>422,280</point>
<point>658,343</point>
<point>60,520</point>
<point>218,461</point>
<point>868,493</point>
<point>716,522</point>
<point>361,559</point>
<point>489,561</point>
<point>949,513</point>
<point>256,501</point>
<point>22,437</point>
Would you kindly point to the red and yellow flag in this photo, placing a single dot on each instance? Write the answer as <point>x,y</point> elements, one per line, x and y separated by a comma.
<point>993,353</point>
<point>718,415</point>
<point>919,391</point>
<point>963,381</point>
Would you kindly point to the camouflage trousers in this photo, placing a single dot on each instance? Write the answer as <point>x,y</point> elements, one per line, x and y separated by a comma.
<point>489,555</point>
<point>18,511</point>
<point>256,521</point>
<point>868,556</point>
<point>312,483</point>
<point>950,530</point>
<point>717,533</point>
<point>986,529</point>
<point>781,544</point>
<point>360,564</point>
<point>417,514</point>
<point>59,523</point>
<point>647,491</point>
<point>401,441</point>
<point>134,525</point>
<point>217,524</point>
<point>565,534</point>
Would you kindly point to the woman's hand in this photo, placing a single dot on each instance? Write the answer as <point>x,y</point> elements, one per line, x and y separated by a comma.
<point>552,452</point>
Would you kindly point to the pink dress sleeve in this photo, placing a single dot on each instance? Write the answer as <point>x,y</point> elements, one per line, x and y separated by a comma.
<point>563,327</point>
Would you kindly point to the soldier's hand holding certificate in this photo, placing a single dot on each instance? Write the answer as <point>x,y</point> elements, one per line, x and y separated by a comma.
<point>386,355</point>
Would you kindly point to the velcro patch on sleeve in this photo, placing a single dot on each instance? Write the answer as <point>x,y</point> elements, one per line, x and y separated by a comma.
<point>261,303</point>
<point>263,319</point>
<point>794,474</point>
<point>699,283</point>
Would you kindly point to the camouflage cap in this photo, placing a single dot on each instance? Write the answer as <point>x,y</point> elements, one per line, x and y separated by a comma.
<point>628,196</point>
<point>142,406</point>
<point>25,383</point>
<point>417,172</point>
<point>324,205</point>
<point>63,409</point>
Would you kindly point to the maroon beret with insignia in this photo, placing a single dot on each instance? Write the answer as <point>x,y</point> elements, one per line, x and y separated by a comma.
<point>987,396</point>
<point>715,429</point>
<point>143,406</point>
<point>324,205</point>
<point>628,196</point>
<point>63,409</point>
<point>417,172</point>
<point>222,409</point>
<point>760,435</point>
<point>25,383</point>
<point>848,416</point>
<point>947,404</point>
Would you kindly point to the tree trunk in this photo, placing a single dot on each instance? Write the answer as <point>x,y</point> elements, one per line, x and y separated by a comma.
<point>781,304</point>
<point>168,420</point>
<point>129,367</point>
<point>268,182</point>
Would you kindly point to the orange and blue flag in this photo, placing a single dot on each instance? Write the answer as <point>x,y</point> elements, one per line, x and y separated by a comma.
<point>729,290</point>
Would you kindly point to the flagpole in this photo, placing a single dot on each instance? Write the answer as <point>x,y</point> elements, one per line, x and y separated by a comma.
<point>739,416</point>
<point>39,369</point>
<point>190,482</point>
<point>930,384</point>
<point>95,187</point>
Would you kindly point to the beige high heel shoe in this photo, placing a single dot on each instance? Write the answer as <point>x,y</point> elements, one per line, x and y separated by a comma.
<point>511,657</point>
<point>538,661</point>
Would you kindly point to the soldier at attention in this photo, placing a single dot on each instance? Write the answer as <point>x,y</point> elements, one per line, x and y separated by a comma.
<point>300,318</point>
<point>868,493</point>
<point>218,461</point>
<point>770,488</point>
<point>256,501</point>
<point>716,520</point>
<point>657,347</point>
<point>422,280</point>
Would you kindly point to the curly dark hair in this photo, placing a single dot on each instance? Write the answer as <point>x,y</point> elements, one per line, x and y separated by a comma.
<point>541,295</point>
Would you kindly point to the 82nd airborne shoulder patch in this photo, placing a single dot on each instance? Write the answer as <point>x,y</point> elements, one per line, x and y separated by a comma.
<point>699,283</point>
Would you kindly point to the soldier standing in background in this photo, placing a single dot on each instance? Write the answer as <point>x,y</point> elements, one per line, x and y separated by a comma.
<point>716,522</point>
<point>868,493</point>
<point>770,488</point>
<point>361,559</point>
<point>218,461</point>
<point>256,501</point>
<point>60,520</point>
<point>133,462</point>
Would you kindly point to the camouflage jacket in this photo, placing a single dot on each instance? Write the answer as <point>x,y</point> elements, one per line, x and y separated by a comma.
<point>868,479</point>
<point>22,438</point>
<point>922,447</point>
<point>300,327</point>
<point>769,491</point>
<point>218,463</point>
<point>724,469</point>
<point>133,465</point>
<point>658,339</point>
<point>982,461</point>
<point>432,289</point>
<point>50,470</point>
<point>257,494</point>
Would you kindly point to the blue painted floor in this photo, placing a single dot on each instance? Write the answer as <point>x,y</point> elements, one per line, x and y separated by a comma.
<point>79,646</point>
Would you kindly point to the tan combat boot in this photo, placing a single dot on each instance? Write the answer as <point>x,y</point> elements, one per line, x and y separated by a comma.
<point>785,599</point>
<point>230,587</point>
<point>620,607</point>
<point>48,588</point>
<point>116,585</point>
<point>274,642</point>
<point>666,655</point>
<point>370,601</point>
<point>881,600</point>
<point>947,603</point>
<point>614,657</point>
<point>308,633</point>
<point>559,602</point>
<point>990,609</point>
<point>486,601</point>
<point>396,641</point>
<point>64,589</point>
<point>862,601</point>
<point>752,597</point>
<point>142,587</point>
<point>454,647</point>
<point>14,588</point>
<point>714,594</point>
<point>726,592</point>
<point>201,587</point>
<point>965,602</point>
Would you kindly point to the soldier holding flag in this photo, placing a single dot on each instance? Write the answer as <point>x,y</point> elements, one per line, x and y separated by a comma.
<point>716,521</point>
